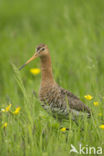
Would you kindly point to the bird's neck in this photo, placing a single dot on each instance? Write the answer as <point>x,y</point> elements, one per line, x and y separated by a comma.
<point>46,68</point>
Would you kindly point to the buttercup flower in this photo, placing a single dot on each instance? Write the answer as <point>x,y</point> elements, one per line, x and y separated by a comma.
<point>3,110</point>
<point>8,108</point>
<point>4,125</point>
<point>101,126</point>
<point>63,129</point>
<point>35,71</point>
<point>96,103</point>
<point>88,97</point>
<point>17,110</point>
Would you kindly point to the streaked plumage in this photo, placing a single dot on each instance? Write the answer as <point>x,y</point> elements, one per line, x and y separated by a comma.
<point>60,102</point>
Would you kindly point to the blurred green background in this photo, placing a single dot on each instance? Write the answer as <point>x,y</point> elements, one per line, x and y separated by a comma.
<point>74,33</point>
<point>73,30</point>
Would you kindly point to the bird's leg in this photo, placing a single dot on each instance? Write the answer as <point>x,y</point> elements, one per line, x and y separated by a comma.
<point>75,120</point>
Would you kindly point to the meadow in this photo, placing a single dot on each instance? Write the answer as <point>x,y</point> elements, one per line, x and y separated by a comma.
<point>74,33</point>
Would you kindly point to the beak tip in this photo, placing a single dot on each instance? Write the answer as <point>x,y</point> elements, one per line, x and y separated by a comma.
<point>22,66</point>
<point>28,62</point>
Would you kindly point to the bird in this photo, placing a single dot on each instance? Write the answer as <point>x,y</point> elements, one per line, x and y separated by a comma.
<point>54,99</point>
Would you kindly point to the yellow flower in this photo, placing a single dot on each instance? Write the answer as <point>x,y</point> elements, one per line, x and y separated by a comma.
<point>96,103</point>
<point>88,97</point>
<point>35,71</point>
<point>101,126</point>
<point>8,108</point>
<point>63,129</point>
<point>17,110</point>
<point>100,114</point>
<point>4,125</point>
<point>3,110</point>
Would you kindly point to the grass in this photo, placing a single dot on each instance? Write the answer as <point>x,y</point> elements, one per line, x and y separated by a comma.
<point>74,32</point>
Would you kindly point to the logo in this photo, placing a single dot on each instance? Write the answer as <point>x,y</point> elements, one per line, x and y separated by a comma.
<point>86,149</point>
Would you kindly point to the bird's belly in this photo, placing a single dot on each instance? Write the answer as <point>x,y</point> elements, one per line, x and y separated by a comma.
<point>62,113</point>
<point>56,112</point>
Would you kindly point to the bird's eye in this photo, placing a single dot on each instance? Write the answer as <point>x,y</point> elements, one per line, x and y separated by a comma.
<point>43,49</point>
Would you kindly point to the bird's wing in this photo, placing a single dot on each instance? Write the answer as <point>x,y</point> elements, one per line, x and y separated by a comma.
<point>75,103</point>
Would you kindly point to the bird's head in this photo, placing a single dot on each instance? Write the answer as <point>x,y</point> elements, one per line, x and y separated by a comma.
<point>41,51</point>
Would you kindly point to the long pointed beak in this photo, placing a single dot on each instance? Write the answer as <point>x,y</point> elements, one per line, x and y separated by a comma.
<point>32,58</point>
